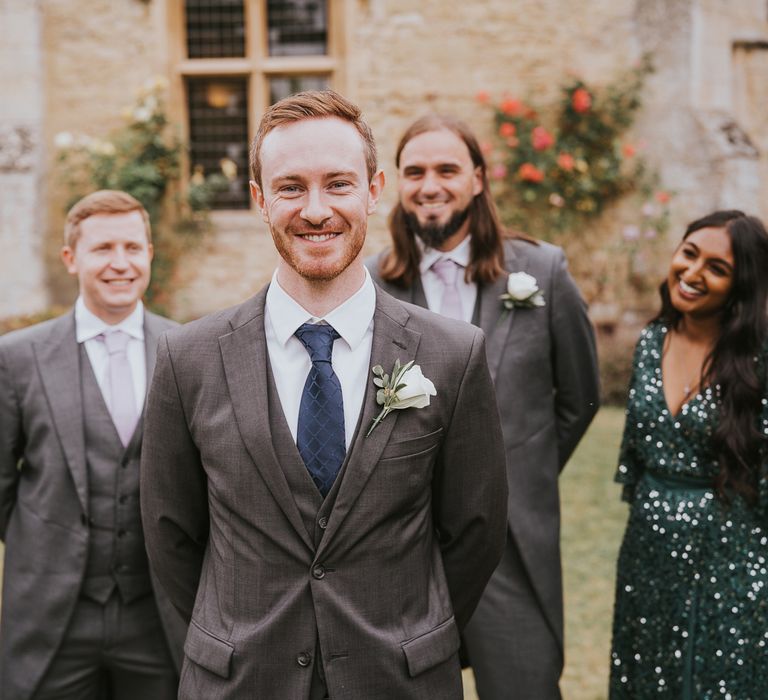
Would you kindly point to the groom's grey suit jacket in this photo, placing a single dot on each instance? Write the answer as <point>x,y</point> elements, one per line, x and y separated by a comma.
<point>380,576</point>
<point>44,497</point>
<point>544,367</point>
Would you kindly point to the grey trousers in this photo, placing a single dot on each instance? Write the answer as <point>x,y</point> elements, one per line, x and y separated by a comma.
<point>113,651</point>
<point>511,648</point>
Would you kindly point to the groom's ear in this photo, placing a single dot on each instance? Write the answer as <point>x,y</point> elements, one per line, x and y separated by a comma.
<point>375,188</point>
<point>258,197</point>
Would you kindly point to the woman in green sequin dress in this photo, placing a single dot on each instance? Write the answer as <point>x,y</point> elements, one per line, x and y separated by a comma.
<point>691,613</point>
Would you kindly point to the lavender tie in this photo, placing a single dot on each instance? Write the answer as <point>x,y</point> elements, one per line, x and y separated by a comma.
<point>122,398</point>
<point>448,272</point>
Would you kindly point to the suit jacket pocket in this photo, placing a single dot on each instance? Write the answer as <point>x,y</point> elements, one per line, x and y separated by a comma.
<point>430,649</point>
<point>412,446</point>
<point>208,651</point>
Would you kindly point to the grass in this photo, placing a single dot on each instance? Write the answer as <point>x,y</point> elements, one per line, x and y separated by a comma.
<point>593,519</point>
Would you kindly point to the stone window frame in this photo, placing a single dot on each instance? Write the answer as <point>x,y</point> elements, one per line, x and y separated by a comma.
<point>257,66</point>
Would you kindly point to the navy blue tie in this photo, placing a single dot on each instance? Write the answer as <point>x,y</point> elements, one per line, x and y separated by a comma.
<point>320,434</point>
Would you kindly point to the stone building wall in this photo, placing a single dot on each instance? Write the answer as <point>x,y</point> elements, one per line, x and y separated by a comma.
<point>22,273</point>
<point>97,55</point>
<point>403,59</point>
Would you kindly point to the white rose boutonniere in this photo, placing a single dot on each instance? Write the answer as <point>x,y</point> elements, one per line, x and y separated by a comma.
<point>522,292</point>
<point>407,387</point>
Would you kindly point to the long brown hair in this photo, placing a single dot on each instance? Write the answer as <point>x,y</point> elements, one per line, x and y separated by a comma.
<point>401,265</point>
<point>732,366</point>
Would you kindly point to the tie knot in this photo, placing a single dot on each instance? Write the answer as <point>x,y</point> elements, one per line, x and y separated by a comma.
<point>318,339</point>
<point>447,270</point>
<point>116,341</point>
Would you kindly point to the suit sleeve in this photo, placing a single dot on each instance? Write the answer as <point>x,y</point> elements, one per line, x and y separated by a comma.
<point>577,383</point>
<point>174,501</point>
<point>470,488</point>
<point>11,446</point>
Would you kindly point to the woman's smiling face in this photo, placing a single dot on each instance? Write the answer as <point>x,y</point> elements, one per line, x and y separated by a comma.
<point>701,273</point>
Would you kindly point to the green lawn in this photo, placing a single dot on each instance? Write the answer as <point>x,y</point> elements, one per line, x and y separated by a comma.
<point>592,526</point>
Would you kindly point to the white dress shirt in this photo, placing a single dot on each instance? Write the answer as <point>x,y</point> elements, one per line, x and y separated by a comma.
<point>433,287</point>
<point>88,326</point>
<point>353,321</point>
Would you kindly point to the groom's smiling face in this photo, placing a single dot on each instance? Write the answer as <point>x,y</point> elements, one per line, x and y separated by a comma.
<point>315,195</point>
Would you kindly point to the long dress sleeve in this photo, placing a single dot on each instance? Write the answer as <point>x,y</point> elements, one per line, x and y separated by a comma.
<point>630,466</point>
<point>762,483</point>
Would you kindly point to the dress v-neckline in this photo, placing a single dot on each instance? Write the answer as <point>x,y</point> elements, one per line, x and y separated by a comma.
<point>687,401</point>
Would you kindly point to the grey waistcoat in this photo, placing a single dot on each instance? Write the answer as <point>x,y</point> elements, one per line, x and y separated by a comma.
<point>116,554</point>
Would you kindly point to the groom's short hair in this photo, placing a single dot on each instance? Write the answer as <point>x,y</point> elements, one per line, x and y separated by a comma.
<point>312,104</point>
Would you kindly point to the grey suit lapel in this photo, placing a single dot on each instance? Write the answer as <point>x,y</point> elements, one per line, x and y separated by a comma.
<point>153,327</point>
<point>417,294</point>
<point>59,365</point>
<point>495,324</point>
<point>244,355</point>
<point>391,341</point>
<point>413,294</point>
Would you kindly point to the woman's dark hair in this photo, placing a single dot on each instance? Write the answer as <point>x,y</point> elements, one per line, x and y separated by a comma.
<point>401,265</point>
<point>731,365</point>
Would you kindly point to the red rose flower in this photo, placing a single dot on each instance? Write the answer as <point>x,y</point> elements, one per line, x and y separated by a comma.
<point>662,197</point>
<point>541,139</point>
<point>506,130</point>
<point>511,106</point>
<point>566,161</point>
<point>482,97</point>
<point>581,100</point>
<point>530,173</point>
<point>498,172</point>
<point>628,150</point>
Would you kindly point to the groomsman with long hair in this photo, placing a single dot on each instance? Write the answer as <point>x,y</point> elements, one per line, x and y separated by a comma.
<point>450,253</point>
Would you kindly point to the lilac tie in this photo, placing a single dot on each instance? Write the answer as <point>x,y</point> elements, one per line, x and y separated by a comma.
<point>122,398</point>
<point>448,272</point>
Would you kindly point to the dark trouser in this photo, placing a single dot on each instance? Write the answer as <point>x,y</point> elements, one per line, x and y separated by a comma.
<point>114,651</point>
<point>512,650</point>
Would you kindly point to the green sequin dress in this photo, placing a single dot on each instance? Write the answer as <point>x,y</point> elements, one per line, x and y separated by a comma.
<point>691,614</point>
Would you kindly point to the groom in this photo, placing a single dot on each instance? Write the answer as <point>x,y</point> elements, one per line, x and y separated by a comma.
<point>318,555</point>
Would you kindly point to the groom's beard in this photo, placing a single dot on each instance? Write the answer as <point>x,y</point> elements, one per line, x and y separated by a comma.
<point>434,235</point>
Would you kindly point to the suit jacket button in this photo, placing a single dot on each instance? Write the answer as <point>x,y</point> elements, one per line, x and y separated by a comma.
<point>323,523</point>
<point>304,659</point>
<point>318,572</point>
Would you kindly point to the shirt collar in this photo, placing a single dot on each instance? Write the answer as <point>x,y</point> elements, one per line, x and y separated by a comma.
<point>351,319</point>
<point>88,325</point>
<point>429,256</point>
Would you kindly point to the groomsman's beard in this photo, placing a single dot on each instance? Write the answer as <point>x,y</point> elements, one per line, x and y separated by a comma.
<point>435,234</point>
